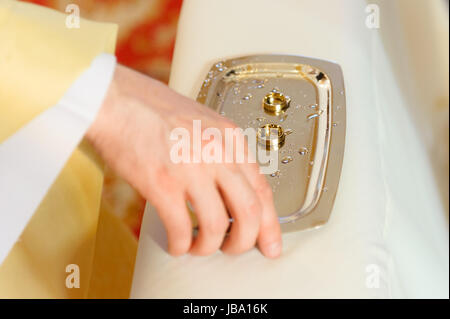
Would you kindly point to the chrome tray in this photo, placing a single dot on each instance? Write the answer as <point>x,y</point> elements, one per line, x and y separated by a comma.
<point>310,159</point>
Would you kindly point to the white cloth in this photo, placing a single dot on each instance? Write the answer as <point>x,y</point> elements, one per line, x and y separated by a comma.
<point>31,159</point>
<point>387,235</point>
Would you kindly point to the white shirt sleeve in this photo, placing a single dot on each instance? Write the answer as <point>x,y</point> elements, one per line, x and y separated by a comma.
<point>32,158</point>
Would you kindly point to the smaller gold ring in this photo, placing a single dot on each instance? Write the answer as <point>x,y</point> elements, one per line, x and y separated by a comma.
<point>275,103</point>
<point>271,136</point>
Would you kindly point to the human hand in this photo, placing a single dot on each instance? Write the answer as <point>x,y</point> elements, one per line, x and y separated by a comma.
<point>132,134</point>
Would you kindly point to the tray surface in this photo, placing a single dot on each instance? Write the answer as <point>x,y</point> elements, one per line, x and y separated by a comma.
<point>306,98</point>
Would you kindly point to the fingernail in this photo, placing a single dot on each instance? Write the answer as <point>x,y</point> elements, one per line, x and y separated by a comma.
<point>274,250</point>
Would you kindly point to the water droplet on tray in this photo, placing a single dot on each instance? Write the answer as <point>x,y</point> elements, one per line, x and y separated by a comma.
<point>275,174</point>
<point>303,151</point>
<point>314,115</point>
<point>247,97</point>
<point>287,159</point>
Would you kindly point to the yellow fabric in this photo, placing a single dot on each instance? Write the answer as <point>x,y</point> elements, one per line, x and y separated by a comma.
<point>115,253</point>
<point>39,59</point>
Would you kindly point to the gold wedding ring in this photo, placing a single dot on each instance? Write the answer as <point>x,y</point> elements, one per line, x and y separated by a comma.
<point>271,136</point>
<point>275,103</point>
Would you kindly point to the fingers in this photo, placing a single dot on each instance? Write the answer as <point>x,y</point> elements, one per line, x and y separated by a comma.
<point>211,215</point>
<point>248,198</point>
<point>269,237</point>
<point>244,207</point>
<point>176,220</point>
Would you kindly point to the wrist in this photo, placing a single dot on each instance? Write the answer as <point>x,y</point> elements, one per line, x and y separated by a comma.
<point>102,121</point>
